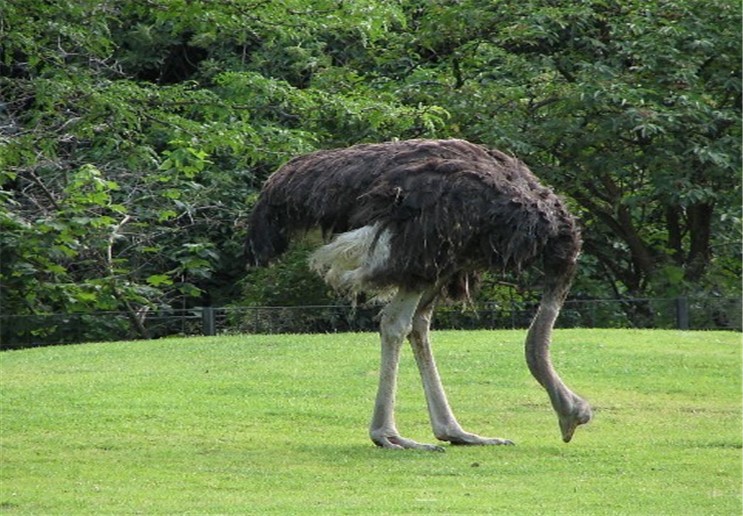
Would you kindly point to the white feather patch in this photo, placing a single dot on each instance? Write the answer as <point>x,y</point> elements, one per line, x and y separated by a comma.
<point>351,259</point>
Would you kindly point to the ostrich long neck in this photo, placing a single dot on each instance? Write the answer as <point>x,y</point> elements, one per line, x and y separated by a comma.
<point>571,409</point>
<point>538,342</point>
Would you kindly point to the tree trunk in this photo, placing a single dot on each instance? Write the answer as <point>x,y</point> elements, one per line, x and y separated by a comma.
<point>700,230</point>
<point>673,225</point>
<point>642,257</point>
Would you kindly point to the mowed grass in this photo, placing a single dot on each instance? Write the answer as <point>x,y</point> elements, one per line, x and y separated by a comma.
<point>278,424</point>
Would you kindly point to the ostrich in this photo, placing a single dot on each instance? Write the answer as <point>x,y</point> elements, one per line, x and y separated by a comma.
<point>412,222</point>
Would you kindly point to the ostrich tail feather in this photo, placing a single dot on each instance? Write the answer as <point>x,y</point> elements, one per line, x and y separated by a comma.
<point>350,260</point>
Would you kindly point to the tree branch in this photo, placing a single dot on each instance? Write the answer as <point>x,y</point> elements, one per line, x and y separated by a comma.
<point>111,238</point>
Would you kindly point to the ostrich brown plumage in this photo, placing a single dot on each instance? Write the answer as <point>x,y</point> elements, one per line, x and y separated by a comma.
<point>414,221</point>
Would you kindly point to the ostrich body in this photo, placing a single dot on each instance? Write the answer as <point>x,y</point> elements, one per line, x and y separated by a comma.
<point>415,221</point>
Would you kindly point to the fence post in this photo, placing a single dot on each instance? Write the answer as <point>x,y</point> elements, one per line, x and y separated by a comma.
<point>682,313</point>
<point>208,323</point>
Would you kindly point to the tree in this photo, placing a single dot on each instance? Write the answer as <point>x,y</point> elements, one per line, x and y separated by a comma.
<point>135,135</point>
<point>630,108</point>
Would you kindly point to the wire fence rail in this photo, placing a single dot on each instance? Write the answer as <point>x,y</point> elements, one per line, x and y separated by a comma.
<point>696,313</point>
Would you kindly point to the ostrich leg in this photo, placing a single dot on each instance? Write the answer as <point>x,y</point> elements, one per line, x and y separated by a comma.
<point>443,422</point>
<point>394,327</point>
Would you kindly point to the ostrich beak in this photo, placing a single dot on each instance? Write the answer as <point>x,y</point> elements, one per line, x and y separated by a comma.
<point>567,427</point>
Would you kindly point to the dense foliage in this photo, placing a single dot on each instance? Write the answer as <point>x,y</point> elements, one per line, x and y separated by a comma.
<point>134,135</point>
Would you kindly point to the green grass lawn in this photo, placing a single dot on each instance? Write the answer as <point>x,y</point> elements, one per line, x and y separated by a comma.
<point>278,424</point>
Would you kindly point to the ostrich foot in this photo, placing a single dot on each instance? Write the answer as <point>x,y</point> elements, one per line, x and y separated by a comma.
<point>395,442</point>
<point>462,438</point>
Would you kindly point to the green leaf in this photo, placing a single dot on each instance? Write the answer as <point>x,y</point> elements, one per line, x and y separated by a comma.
<point>159,280</point>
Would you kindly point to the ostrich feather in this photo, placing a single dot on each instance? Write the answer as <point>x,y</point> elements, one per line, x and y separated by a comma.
<point>448,209</point>
<point>351,259</point>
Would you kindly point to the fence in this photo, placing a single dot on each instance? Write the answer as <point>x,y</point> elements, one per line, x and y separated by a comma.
<point>681,313</point>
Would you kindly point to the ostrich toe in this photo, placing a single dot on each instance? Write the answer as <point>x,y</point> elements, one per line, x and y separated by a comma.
<point>396,442</point>
<point>468,439</point>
